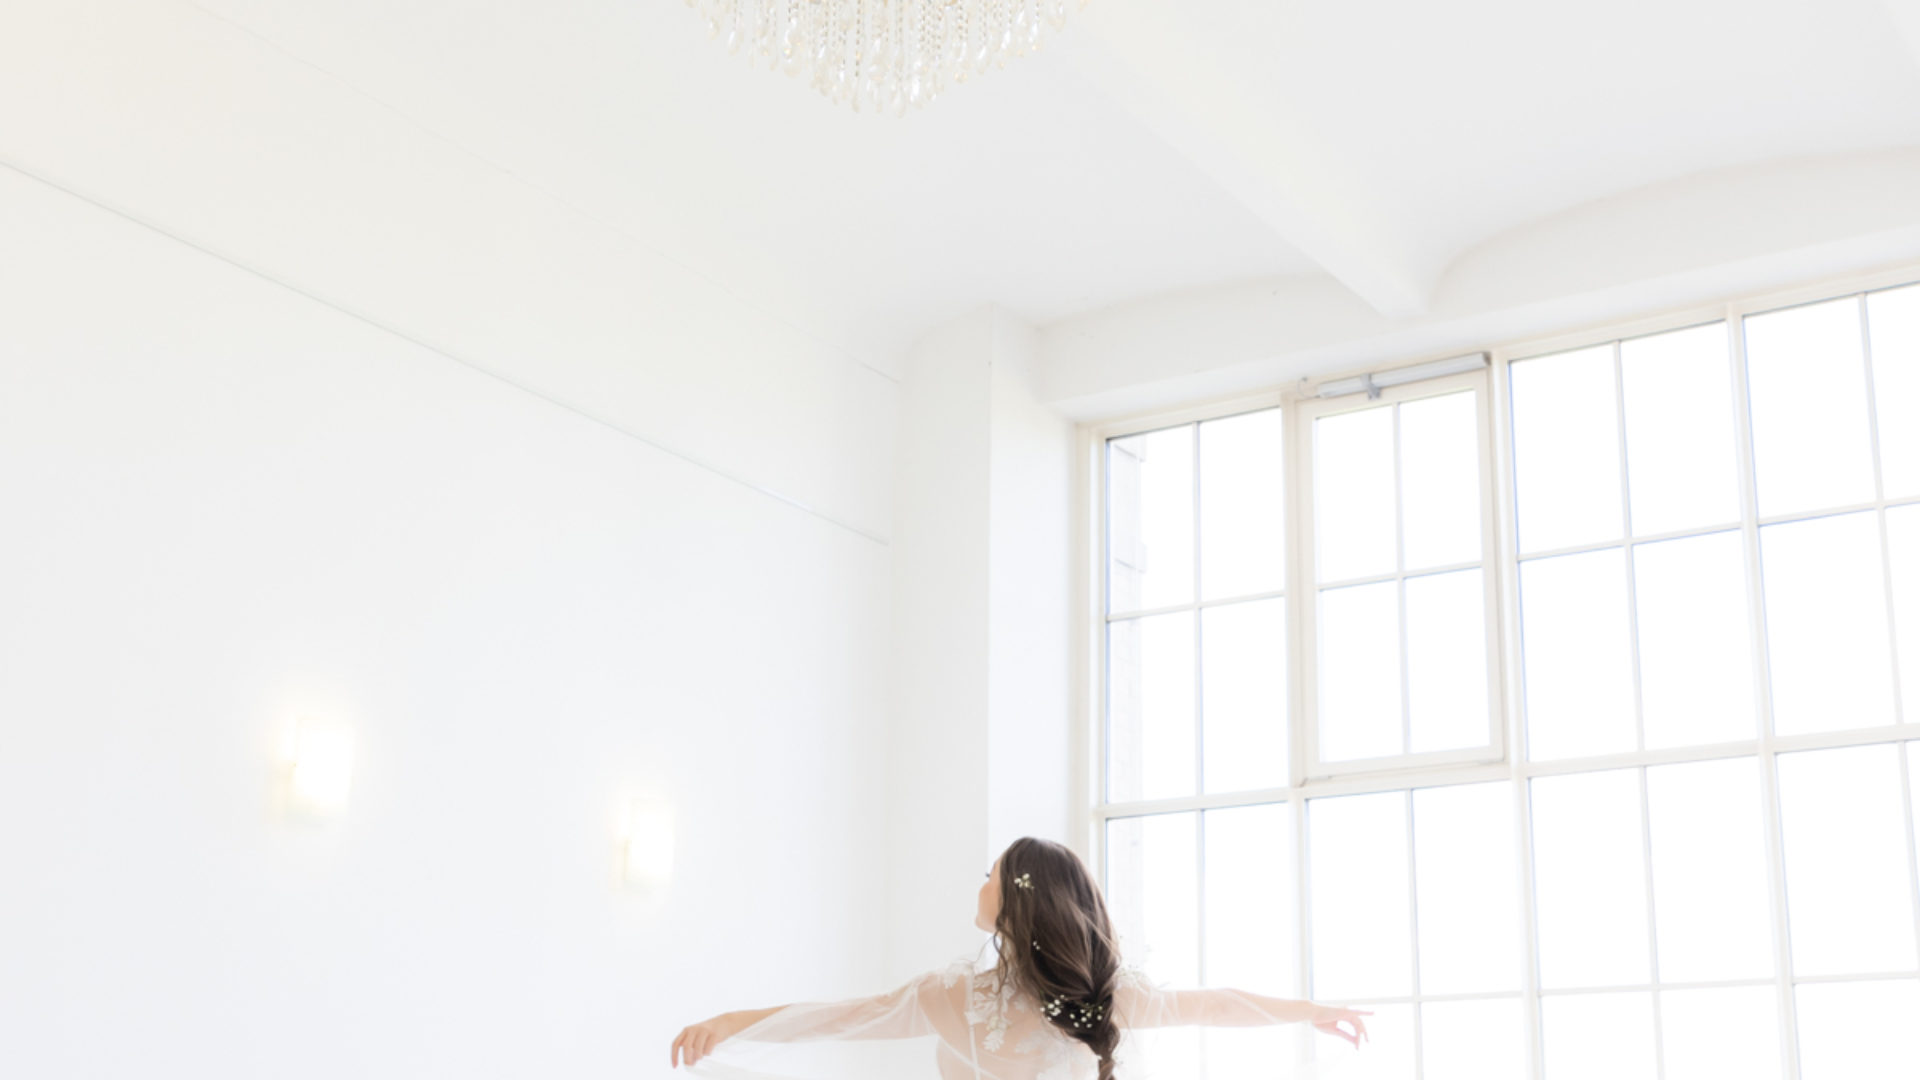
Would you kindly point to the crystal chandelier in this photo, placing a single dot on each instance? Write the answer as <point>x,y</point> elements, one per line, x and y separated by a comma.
<point>883,54</point>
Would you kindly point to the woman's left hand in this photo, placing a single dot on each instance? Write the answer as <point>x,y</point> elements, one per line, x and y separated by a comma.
<point>696,1041</point>
<point>1328,1018</point>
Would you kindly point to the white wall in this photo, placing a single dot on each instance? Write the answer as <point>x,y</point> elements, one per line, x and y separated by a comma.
<point>937,760</point>
<point>225,503</point>
<point>981,553</point>
<point>1029,707</point>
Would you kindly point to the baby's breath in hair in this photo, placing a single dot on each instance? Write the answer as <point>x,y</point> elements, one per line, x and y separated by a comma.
<point>1077,1014</point>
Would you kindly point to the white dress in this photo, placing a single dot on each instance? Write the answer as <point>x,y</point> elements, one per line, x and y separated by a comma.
<point>959,1023</point>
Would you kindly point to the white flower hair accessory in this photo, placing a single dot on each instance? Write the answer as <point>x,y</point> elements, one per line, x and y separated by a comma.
<point>1079,1015</point>
<point>1024,881</point>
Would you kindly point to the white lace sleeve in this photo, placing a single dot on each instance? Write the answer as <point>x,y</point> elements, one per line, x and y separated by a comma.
<point>896,1014</point>
<point>1140,1002</point>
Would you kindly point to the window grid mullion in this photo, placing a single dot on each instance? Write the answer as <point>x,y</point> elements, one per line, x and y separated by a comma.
<point>1514,706</point>
<point>1912,815</point>
<point>1199,717</point>
<point>1171,609</point>
<point>1787,1014</point>
<point>1199,738</point>
<point>1303,898</point>
<point>1200,916</point>
<point>1880,499</point>
<point>1639,705</point>
<point>1653,929</point>
<point>1730,525</point>
<point>1627,553</point>
<point>1413,940</point>
<point>1400,593</point>
<point>1299,585</point>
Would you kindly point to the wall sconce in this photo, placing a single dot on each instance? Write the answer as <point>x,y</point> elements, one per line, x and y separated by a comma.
<point>317,771</point>
<point>646,844</point>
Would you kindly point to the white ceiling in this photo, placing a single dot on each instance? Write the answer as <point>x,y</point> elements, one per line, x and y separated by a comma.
<point>1154,148</point>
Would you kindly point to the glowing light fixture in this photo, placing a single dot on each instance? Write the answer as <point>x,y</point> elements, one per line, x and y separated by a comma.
<point>317,774</point>
<point>646,844</point>
<point>889,55</point>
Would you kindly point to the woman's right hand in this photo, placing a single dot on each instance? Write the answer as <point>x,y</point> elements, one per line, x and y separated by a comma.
<point>696,1041</point>
<point>1328,1018</point>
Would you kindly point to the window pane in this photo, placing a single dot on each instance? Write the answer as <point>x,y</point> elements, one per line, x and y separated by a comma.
<point>1710,910</point>
<point>1244,694</point>
<point>1387,1055</point>
<point>1859,1030</point>
<point>1474,1040</point>
<point>1150,520</point>
<point>1163,1051</point>
<point>1242,1051</point>
<point>1598,1036</point>
<point>1807,382</point>
<point>1721,1033</point>
<point>1696,648</point>
<point>1251,908</point>
<point>1827,647</point>
<point>1362,934</point>
<point>1242,505</point>
<point>1681,471</point>
<point>1579,681</point>
<point>1359,676</point>
<point>1440,479</point>
<point>1903,543</point>
<point>1468,889</point>
<point>1566,447</point>
<point>1590,880</point>
<point>1447,661</point>
<point>1153,894</point>
<point>1252,916</point>
<point>1893,321</point>
<point>1150,707</point>
<point>1849,898</point>
<point>1353,510</point>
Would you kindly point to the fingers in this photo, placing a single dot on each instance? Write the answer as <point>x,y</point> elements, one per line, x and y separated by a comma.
<point>690,1046</point>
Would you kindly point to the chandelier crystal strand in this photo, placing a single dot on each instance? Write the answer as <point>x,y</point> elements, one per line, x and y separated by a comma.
<point>890,55</point>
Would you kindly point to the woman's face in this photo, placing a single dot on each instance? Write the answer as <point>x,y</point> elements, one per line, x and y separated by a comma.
<point>989,900</point>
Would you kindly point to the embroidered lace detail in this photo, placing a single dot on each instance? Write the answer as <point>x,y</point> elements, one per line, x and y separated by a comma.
<point>1061,1067</point>
<point>1056,1049</point>
<point>988,1005</point>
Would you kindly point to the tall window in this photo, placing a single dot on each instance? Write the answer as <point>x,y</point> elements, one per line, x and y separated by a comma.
<point>1565,713</point>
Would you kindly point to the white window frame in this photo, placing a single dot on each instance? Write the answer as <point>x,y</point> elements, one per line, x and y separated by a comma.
<point>1094,811</point>
<point>1303,576</point>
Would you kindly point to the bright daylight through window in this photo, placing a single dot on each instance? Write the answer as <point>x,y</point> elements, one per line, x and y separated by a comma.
<point>1574,698</point>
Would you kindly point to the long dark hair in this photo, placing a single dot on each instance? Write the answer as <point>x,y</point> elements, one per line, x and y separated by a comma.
<point>1057,943</point>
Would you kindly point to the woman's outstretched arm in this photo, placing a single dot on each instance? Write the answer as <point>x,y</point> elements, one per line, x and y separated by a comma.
<point>1139,1003</point>
<point>897,1014</point>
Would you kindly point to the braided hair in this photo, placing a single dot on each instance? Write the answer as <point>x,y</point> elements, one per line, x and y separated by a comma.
<point>1058,944</point>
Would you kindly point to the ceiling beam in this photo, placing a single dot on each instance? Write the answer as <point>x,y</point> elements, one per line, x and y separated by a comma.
<point>1220,109</point>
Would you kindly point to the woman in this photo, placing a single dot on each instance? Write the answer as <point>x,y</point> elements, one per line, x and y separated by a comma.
<point>1053,1006</point>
